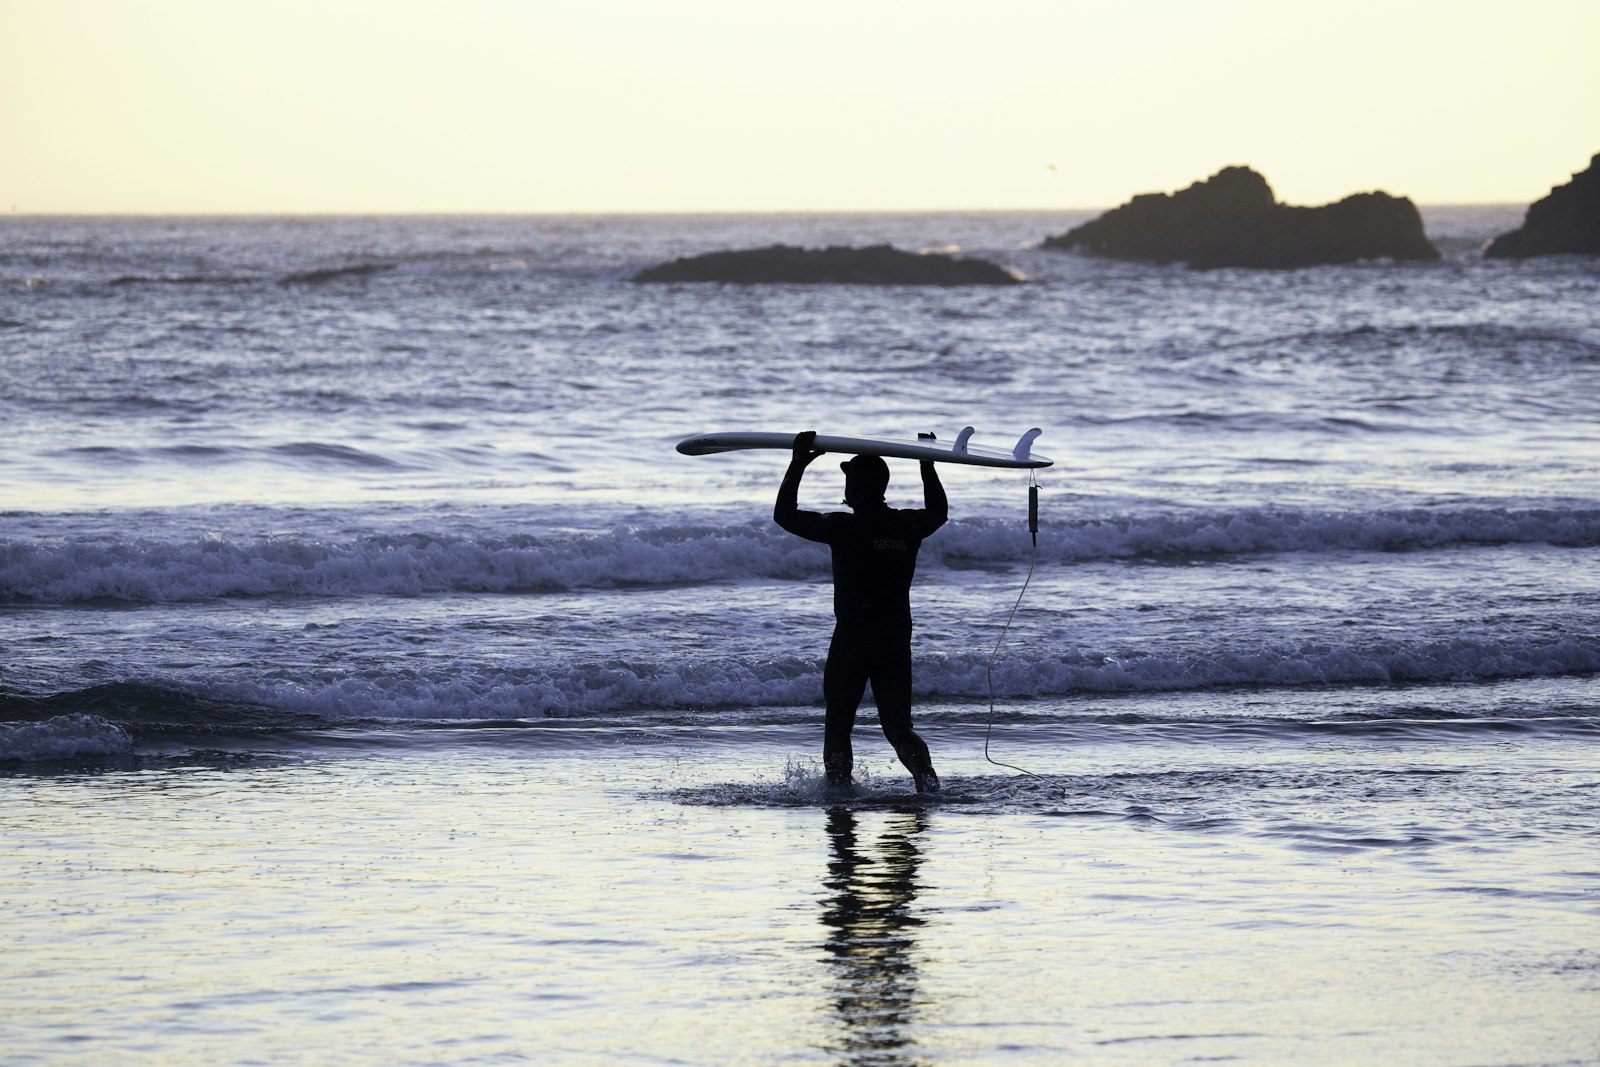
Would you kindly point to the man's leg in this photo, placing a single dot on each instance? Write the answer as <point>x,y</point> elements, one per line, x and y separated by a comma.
<point>891,690</point>
<point>844,680</point>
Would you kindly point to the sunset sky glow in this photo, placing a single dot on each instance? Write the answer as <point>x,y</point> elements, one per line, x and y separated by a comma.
<point>195,106</point>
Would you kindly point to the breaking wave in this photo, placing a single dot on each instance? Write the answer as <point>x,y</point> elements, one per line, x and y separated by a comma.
<point>240,703</point>
<point>157,571</point>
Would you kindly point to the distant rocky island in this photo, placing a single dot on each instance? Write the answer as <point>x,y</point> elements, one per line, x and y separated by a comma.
<point>837,265</point>
<point>1232,219</point>
<point>1565,222</point>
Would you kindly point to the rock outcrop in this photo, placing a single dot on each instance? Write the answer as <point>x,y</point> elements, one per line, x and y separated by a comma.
<point>1232,219</point>
<point>873,265</point>
<point>1565,222</point>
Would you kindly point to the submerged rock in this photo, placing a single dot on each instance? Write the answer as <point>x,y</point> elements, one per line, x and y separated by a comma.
<point>330,274</point>
<point>1565,222</point>
<point>873,265</point>
<point>1232,219</point>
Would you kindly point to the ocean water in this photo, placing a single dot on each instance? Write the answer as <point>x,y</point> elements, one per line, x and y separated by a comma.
<point>377,684</point>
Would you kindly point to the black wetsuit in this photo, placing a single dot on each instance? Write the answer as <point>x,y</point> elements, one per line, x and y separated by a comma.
<point>874,559</point>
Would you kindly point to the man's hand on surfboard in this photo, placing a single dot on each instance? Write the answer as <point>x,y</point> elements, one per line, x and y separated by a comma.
<point>803,452</point>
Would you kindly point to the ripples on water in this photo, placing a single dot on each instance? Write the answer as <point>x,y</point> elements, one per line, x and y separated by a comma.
<point>373,674</point>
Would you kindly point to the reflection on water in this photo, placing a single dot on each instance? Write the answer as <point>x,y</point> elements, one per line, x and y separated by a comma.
<point>871,938</point>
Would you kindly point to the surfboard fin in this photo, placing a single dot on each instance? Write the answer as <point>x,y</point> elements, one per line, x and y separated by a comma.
<point>1024,447</point>
<point>960,445</point>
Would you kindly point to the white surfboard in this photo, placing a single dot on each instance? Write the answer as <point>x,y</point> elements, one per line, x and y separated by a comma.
<point>959,450</point>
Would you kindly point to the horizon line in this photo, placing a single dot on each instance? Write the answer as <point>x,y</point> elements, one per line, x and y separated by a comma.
<point>678,212</point>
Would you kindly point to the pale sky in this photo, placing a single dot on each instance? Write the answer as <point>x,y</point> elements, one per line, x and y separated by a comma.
<point>201,106</point>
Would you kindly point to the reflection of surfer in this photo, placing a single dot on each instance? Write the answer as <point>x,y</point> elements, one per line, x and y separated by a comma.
<point>874,558</point>
<point>872,938</point>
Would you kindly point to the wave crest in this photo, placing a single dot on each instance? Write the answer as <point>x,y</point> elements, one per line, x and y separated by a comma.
<point>652,686</point>
<point>157,571</point>
<point>74,736</point>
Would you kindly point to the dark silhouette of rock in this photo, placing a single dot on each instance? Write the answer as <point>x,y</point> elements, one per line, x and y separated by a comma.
<point>874,265</point>
<point>1565,222</point>
<point>1232,219</point>
<point>329,274</point>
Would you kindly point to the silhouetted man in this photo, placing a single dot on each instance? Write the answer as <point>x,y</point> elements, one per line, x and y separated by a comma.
<point>874,558</point>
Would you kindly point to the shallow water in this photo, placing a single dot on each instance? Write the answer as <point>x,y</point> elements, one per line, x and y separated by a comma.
<point>502,897</point>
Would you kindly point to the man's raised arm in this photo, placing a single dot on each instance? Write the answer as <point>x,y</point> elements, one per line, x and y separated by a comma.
<point>786,511</point>
<point>934,501</point>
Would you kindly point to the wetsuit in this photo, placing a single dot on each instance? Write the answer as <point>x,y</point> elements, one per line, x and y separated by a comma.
<point>874,559</point>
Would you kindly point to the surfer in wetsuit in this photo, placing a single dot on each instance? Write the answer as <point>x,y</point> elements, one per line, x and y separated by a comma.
<point>874,557</point>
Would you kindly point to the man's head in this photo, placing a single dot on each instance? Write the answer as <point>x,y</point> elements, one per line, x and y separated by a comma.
<point>866,478</point>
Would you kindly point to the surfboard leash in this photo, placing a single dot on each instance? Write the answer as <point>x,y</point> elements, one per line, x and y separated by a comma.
<point>1033,558</point>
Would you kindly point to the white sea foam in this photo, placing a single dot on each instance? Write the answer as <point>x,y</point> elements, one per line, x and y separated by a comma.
<point>618,687</point>
<point>144,570</point>
<point>73,736</point>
